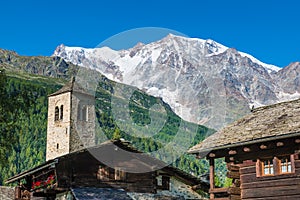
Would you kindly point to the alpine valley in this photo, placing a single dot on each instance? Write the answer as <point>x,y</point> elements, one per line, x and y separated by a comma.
<point>33,78</point>
<point>197,80</point>
<point>203,81</point>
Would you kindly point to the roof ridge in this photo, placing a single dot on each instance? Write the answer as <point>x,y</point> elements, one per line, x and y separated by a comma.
<point>71,86</point>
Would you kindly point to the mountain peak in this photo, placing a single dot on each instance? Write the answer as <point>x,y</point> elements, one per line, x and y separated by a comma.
<point>59,49</point>
<point>138,45</point>
<point>171,36</point>
<point>294,64</point>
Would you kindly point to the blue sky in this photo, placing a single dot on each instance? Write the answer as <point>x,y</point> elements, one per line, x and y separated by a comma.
<point>267,29</point>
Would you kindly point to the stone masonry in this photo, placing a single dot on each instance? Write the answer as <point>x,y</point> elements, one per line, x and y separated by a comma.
<point>72,126</point>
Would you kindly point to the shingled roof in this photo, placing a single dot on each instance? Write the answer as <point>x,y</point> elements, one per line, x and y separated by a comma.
<point>90,193</point>
<point>266,123</point>
<point>71,86</point>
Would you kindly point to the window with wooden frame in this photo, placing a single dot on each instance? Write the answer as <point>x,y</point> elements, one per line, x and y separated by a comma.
<point>275,166</point>
<point>286,165</point>
<point>268,167</point>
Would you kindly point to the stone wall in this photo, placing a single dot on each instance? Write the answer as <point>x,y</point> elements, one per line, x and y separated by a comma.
<point>58,133</point>
<point>83,128</point>
<point>7,193</point>
<point>179,189</point>
<point>77,128</point>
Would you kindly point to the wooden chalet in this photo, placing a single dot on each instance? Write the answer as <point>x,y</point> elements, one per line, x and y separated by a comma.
<point>81,174</point>
<point>262,154</point>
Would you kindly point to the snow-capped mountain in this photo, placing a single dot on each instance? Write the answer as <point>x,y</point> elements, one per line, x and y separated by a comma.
<point>202,80</point>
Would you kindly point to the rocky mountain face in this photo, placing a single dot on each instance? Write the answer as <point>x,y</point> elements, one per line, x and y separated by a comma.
<point>41,65</point>
<point>203,81</point>
<point>289,79</point>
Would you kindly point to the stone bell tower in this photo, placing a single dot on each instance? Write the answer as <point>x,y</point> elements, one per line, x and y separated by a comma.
<point>71,120</point>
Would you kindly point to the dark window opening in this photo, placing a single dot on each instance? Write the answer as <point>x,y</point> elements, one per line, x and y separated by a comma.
<point>56,114</point>
<point>57,146</point>
<point>61,112</point>
<point>163,182</point>
<point>79,112</point>
<point>84,113</point>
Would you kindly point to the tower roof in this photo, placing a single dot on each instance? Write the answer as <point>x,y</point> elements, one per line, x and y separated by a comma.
<point>71,86</point>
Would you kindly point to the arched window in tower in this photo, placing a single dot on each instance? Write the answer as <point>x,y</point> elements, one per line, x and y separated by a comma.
<point>61,112</point>
<point>56,114</point>
<point>79,114</point>
<point>84,113</point>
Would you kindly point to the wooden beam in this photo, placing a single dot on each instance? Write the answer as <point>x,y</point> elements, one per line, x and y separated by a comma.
<point>246,149</point>
<point>233,167</point>
<point>253,155</point>
<point>258,168</point>
<point>279,144</point>
<point>212,176</point>
<point>212,155</point>
<point>219,190</point>
<point>232,152</point>
<point>233,174</point>
<point>234,190</point>
<point>263,146</point>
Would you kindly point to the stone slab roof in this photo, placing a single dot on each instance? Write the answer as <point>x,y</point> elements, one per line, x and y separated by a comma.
<point>90,193</point>
<point>71,86</point>
<point>271,122</point>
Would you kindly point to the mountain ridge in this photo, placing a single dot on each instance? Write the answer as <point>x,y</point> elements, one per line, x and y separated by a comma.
<point>184,70</point>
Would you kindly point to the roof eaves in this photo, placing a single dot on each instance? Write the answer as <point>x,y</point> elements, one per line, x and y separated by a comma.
<point>31,171</point>
<point>249,142</point>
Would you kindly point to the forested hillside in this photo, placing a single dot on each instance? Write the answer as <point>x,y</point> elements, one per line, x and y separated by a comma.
<point>29,132</point>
